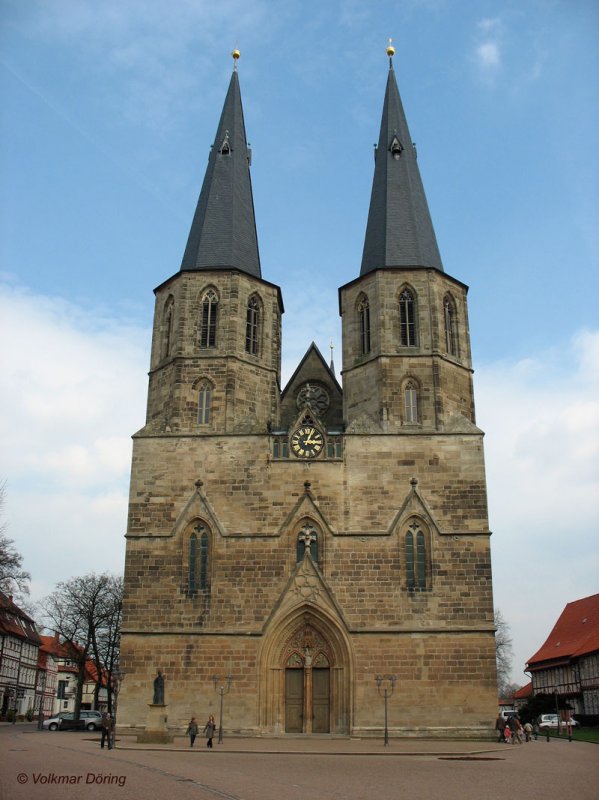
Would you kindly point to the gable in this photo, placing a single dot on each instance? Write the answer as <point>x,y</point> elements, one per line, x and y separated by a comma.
<point>313,384</point>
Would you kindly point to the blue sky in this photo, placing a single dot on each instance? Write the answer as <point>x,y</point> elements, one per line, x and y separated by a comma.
<point>108,113</point>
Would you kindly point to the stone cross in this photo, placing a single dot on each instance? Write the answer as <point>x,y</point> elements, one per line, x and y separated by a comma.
<point>307,536</point>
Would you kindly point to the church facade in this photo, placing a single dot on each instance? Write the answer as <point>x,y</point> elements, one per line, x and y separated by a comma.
<point>298,542</point>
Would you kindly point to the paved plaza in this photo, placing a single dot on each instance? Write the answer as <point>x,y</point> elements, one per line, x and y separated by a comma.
<point>65,765</point>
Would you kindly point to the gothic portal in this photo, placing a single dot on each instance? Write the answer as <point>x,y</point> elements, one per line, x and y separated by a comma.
<point>306,539</point>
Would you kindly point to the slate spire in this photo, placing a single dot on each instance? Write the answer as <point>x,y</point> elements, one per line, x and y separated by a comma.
<point>223,231</point>
<point>399,232</point>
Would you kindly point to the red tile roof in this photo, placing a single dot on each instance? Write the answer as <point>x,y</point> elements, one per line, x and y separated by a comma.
<point>576,633</point>
<point>15,622</point>
<point>523,692</point>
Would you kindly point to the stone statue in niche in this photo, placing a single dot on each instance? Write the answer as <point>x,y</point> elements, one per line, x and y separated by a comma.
<point>158,699</point>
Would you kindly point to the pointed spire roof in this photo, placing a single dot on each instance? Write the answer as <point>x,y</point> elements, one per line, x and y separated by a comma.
<point>399,232</point>
<point>223,231</point>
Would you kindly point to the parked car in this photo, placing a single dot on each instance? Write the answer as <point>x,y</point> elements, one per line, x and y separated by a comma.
<point>90,720</point>
<point>551,721</point>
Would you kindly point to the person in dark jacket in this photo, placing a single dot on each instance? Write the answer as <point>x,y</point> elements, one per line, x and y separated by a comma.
<point>209,729</point>
<point>107,729</point>
<point>192,731</point>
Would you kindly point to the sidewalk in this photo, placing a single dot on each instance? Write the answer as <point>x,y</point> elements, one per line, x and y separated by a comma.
<point>327,745</point>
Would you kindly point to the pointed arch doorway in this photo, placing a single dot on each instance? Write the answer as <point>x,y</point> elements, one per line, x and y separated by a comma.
<point>307,690</point>
<point>307,677</point>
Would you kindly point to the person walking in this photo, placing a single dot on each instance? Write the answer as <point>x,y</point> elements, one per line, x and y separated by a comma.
<point>107,729</point>
<point>499,726</point>
<point>209,729</point>
<point>192,731</point>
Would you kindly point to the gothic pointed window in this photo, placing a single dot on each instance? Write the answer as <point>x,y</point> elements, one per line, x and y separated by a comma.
<point>407,319</point>
<point>451,326</point>
<point>307,539</point>
<point>209,319</point>
<point>364,322</point>
<point>225,147</point>
<point>417,557</point>
<point>168,324</point>
<point>198,577</point>
<point>252,326</point>
<point>395,148</point>
<point>410,402</point>
<point>204,391</point>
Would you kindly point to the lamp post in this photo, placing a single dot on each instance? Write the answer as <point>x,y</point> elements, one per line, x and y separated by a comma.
<point>222,691</point>
<point>40,716</point>
<point>385,685</point>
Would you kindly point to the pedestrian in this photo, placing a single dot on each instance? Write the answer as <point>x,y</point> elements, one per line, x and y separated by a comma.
<point>107,729</point>
<point>507,734</point>
<point>209,729</point>
<point>528,731</point>
<point>499,726</point>
<point>535,730</point>
<point>192,731</point>
<point>516,729</point>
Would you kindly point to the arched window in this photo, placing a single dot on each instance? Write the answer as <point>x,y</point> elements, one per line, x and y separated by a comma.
<point>451,326</point>
<point>364,322</point>
<point>410,402</point>
<point>252,326</point>
<point>198,562</point>
<point>407,319</point>
<point>209,318</point>
<point>204,402</point>
<point>307,538</point>
<point>168,323</point>
<point>417,557</point>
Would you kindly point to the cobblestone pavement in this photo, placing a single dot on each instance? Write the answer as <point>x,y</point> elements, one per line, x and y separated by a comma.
<point>67,765</point>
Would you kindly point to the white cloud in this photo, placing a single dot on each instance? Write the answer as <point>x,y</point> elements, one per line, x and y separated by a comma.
<point>488,54</point>
<point>72,392</point>
<point>541,417</point>
<point>488,47</point>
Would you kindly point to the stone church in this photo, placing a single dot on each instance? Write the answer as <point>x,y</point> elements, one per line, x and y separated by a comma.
<point>298,542</point>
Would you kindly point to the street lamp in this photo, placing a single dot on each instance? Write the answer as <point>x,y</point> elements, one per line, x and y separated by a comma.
<point>222,690</point>
<point>385,685</point>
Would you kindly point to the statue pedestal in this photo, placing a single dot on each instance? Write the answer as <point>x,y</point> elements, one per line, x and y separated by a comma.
<point>156,731</point>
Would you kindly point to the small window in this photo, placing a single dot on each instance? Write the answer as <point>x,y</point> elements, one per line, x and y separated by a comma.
<point>204,403</point>
<point>252,326</point>
<point>407,319</point>
<point>410,403</point>
<point>209,319</point>
<point>451,327</point>
<point>334,447</point>
<point>168,323</point>
<point>280,447</point>
<point>364,322</point>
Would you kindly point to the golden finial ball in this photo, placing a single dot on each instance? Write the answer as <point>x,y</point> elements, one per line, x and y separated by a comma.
<point>390,50</point>
<point>235,53</point>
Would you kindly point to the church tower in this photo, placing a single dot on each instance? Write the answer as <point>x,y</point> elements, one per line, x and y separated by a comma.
<point>304,541</point>
<point>216,349</point>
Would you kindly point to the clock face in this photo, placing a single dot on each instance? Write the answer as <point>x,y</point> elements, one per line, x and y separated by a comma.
<point>306,442</point>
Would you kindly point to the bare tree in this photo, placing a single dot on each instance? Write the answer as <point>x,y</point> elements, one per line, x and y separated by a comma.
<point>80,610</point>
<point>503,652</point>
<point>106,643</point>
<point>13,578</point>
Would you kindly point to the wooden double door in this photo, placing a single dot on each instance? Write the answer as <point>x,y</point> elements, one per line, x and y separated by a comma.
<point>307,700</point>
